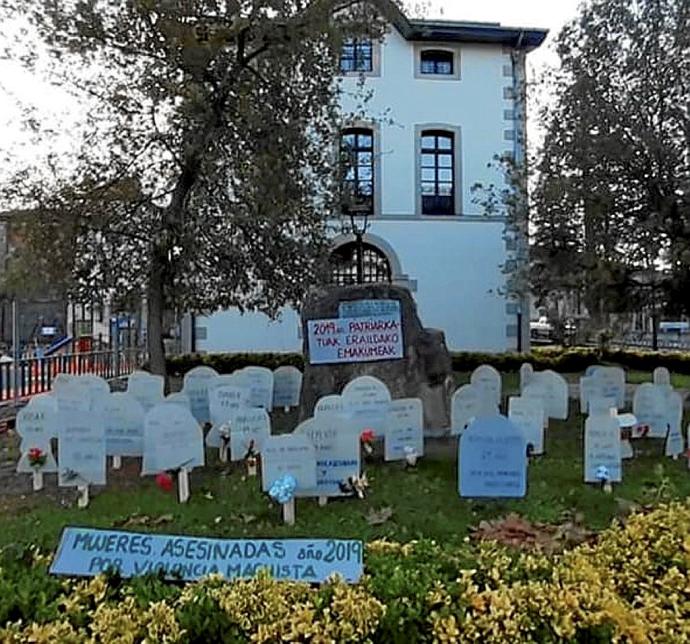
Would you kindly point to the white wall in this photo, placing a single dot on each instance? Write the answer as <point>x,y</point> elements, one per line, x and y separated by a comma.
<point>455,262</point>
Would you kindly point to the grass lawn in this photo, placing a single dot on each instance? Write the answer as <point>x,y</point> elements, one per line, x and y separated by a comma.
<point>424,502</point>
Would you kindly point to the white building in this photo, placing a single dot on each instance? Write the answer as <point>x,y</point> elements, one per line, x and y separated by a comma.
<point>453,98</point>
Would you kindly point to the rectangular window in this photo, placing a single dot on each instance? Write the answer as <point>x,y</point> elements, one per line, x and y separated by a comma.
<point>357,56</point>
<point>357,154</point>
<point>437,62</point>
<point>438,173</point>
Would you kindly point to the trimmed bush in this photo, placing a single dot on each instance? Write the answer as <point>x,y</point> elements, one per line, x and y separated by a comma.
<point>562,360</point>
<point>632,586</point>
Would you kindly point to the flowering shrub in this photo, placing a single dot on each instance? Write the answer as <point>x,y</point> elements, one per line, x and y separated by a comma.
<point>631,586</point>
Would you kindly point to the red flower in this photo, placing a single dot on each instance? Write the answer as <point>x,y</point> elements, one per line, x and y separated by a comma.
<point>35,453</point>
<point>367,436</point>
<point>164,481</point>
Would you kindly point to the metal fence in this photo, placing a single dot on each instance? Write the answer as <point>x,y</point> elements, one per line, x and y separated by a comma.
<point>36,375</point>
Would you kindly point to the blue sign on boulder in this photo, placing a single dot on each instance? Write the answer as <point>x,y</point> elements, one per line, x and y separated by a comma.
<point>492,459</point>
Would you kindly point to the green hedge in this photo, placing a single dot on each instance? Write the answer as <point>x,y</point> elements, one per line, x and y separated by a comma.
<point>561,360</point>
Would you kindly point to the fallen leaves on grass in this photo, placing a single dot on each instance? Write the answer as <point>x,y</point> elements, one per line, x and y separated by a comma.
<point>380,516</point>
<point>135,520</point>
<point>517,532</point>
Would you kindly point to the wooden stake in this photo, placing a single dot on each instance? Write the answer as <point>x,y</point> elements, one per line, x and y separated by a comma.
<point>286,409</point>
<point>223,453</point>
<point>289,512</point>
<point>37,480</point>
<point>251,468</point>
<point>117,462</point>
<point>83,498</point>
<point>183,485</point>
<point>323,500</point>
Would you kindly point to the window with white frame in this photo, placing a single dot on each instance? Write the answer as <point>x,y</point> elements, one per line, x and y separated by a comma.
<point>437,166</point>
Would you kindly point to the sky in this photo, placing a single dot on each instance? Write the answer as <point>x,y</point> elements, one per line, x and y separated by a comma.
<point>54,107</point>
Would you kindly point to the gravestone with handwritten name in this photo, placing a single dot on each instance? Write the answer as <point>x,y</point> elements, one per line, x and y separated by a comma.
<point>603,382</point>
<point>337,450</point>
<point>292,454</point>
<point>404,429</point>
<point>250,427</point>
<point>489,379</point>
<point>36,426</point>
<point>528,415</point>
<point>650,406</point>
<point>147,388</point>
<point>332,404</point>
<point>470,402</point>
<point>259,383</point>
<point>526,373</point>
<point>552,389</point>
<point>177,398</point>
<point>287,384</point>
<point>492,459</point>
<point>603,448</point>
<point>81,439</point>
<point>172,440</point>
<point>366,400</point>
<point>226,400</point>
<point>661,376</point>
<point>124,425</point>
<point>195,385</point>
<point>47,405</point>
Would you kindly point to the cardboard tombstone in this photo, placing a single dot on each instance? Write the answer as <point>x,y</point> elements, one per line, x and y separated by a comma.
<point>404,430</point>
<point>605,382</point>
<point>367,399</point>
<point>552,389</point>
<point>292,454</point>
<point>650,408</point>
<point>259,383</point>
<point>489,379</point>
<point>528,415</point>
<point>600,405</point>
<point>124,425</point>
<point>95,384</point>
<point>492,461</point>
<point>626,422</point>
<point>674,445</point>
<point>35,425</point>
<point>62,380</point>
<point>470,402</point>
<point>526,373</point>
<point>226,401</point>
<point>287,385</point>
<point>195,386</point>
<point>602,449</point>
<point>173,440</point>
<point>47,404</point>
<point>177,398</point>
<point>250,429</point>
<point>661,376</point>
<point>147,388</point>
<point>337,450</point>
<point>332,404</point>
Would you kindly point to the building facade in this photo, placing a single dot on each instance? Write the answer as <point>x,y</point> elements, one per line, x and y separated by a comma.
<point>446,98</point>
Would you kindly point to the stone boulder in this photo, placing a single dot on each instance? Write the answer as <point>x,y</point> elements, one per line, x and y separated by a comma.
<point>424,372</point>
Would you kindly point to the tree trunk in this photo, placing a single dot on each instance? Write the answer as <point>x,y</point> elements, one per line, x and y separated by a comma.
<point>155,317</point>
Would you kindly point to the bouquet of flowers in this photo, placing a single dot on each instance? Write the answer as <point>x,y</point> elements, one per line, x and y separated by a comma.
<point>37,457</point>
<point>367,440</point>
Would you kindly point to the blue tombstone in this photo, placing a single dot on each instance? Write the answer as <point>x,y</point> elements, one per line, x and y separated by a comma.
<point>492,461</point>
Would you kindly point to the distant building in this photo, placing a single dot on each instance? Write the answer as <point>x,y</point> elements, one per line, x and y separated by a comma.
<point>453,93</point>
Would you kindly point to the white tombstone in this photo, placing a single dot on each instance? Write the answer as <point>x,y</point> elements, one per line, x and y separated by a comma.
<point>326,405</point>
<point>226,401</point>
<point>46,404</point>
<point>603,448</point>
<point>404,429</point>
<point>124,425</point>
<point>249,428</point>
<point>292,454</point>
<point>626,422</point>
<point>552,389</point>
<point>195,385</point>
<point>650,408</point>
<point>259,382</point>
<point>81,443</point>
<point>95,384</point>
<point>62,380</point>
<point>177,398</point>
<point>287,385</point>
<point>367,398</point>
<point>526,373</point>
<point>146,388</point>
<point>172,440</point>
<point>35,425</point>
<point>674,413</point>
<point>337,449</point>
<point>661,376</point>
<point>489,379</point>
<point>605,382</point>
<point>599,405</point>
<point>469,402</point>
<point>528,415</point>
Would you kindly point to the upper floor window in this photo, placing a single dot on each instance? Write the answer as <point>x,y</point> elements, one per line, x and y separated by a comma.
<point>438,173</point>
<point>357,153</point>
<point>357,55</point>
<point>437,61</point>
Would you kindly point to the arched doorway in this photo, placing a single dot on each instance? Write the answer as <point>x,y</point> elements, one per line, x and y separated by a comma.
<point>343,265</point>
